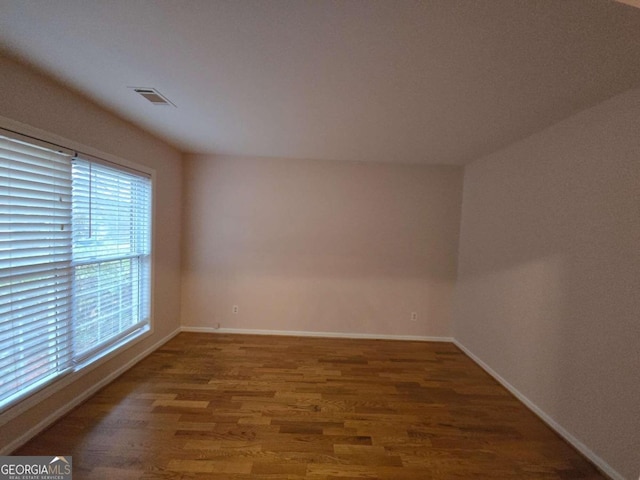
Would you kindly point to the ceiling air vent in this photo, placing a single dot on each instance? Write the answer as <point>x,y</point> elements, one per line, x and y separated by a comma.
<point>153,95</point>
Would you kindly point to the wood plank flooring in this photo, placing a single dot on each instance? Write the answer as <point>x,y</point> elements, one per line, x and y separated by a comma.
<point>213,406</point>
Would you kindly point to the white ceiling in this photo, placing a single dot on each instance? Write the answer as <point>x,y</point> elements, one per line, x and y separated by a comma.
<point>432,81</point>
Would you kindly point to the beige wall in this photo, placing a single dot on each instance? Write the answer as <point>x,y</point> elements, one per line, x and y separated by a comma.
<point>32,99</point>
<point>317,246</point>
<point>548,292</point>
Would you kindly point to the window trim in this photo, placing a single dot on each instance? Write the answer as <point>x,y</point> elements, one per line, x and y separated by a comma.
<point>84,367</point>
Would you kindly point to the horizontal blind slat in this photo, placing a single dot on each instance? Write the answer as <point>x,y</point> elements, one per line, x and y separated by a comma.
<point>33,321</point>
<point>35,304</point>
<point>33,371</point>
<point>31,341</point>
<point>27,271</point>
<point>33,148</point>
<point>36,258</point>
<point>25,287</point>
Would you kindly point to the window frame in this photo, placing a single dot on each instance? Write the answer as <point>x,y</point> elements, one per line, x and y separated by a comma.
<point>81,368</point>
<point>82,260</point>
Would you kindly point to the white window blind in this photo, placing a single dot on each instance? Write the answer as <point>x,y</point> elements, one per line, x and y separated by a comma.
<point>75,248</point>
<point>35,260</point>
<point>111,254</point>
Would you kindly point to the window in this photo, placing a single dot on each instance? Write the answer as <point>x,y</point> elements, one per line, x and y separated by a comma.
<point>75,247</point>
<point>111,246</point>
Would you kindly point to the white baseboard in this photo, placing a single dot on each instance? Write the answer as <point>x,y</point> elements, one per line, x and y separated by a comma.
<point>303,333</point>
<point>581,447</point>
<point>46,422</point>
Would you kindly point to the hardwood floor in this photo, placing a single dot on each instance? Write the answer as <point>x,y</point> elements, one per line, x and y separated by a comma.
<point>208,406</point>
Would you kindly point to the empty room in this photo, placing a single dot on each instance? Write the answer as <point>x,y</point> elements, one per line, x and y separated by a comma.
<point>320,239</point>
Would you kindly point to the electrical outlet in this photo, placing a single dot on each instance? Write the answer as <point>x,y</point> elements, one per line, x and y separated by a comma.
<point>234,309</point>
<point>414,316</point>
